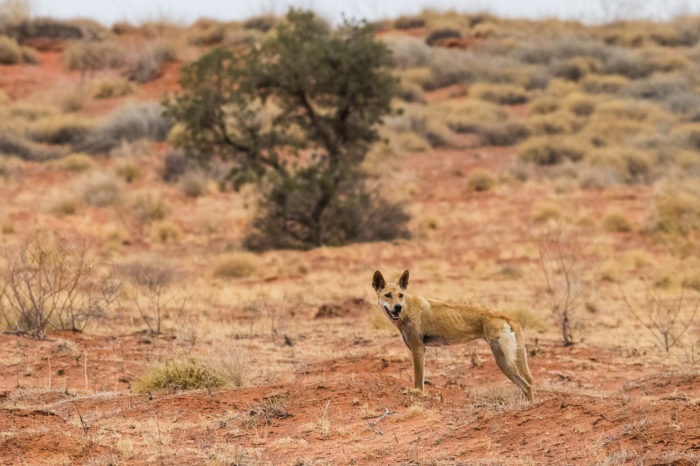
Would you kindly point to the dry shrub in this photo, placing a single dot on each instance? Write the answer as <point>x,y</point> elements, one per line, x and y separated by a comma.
<point>261,23</point>
<point>552,123</point>
<point>627,164</point>
<point>545,104</point>
<point>88,56</point>
<point>616,222</point>
<point>409,22</point>
<point>439,35</point>
<point>604,84</point>
<point>677,211</point>
<point>60,130</point>
<point>129,172</point>
<point>63,204</point>
<point>14,145</point>
<point>407,51</point>
<point>687,136</point>
<point>130,122</point>
<point>101,190</point>
<point>141,210</point>
<point>420,76</point>
<point>147,64</point>
<point>546,211</point>
<point>110,88</point>
<point>49,282</point>
<point>615,132</point>
<point>193,183</point>
<point>580,104</point>
<point>576,68</point>
<point>174,376</point>
<point>76,162</point>
<point>481,180</point>
<point>240,265</point>
<point>166,232</point>
<point>506,133</point>
<point>503,94</point>
<point>151,292</point>
<point>546,150</point>
<point>206,33</point>
<point>10,51</point>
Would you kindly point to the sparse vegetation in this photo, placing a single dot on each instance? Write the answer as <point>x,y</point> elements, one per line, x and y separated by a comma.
<point>599,139</point>
<point>178,375</point>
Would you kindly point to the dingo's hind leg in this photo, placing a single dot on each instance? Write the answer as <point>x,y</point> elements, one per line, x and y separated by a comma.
<point>509,351</point>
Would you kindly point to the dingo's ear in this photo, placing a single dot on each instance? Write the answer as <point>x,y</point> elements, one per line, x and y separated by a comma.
<point>378,282</point>
<point>403,279</point>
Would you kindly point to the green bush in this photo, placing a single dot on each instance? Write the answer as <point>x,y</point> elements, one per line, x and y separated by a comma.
<point>249,106</point>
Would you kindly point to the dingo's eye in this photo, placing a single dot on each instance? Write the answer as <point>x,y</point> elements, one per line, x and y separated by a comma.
<point>400,295</point>
<point>388,295</point>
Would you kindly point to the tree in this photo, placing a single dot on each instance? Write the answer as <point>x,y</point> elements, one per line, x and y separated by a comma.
<point>296,115</point>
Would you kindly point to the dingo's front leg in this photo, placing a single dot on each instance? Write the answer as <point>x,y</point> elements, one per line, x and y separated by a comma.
<point>418,353</point>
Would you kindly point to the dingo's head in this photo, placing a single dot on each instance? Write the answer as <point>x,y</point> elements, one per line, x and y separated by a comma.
<point>390,295</point>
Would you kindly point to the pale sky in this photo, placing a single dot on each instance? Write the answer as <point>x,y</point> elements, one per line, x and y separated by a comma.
<point>188,11</point>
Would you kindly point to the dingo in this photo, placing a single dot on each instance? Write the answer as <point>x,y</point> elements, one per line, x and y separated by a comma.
<point>426,322</point>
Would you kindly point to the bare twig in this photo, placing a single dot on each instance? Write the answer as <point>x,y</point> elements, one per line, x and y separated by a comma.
<point>373,424</point>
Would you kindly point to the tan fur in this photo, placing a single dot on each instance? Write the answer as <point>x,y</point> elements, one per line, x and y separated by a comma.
<point>427,322</point>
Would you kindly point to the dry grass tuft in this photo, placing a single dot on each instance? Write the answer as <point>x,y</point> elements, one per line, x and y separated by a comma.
<point>181,375</point>
<point>239,265</point>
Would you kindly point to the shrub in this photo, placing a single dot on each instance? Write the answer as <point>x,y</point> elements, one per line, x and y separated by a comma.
<point>49,282</point>
<point>29,55</point>
<point>261,23</point>
<point>616,222</point>
<point>147,65</point>
<point>11,144</point>
<point>166,232</point>
<point>60,130</point>
<point>193,183</point>
<point>235,266</point>
<point>407,51</point>
<point>628,165</point>
<point>130,122</point>
<point>175,376</point>
<point>409,22</point>
<point>76,162</point>
<point>677,211</point>
<point>151,280</point>
<point>129,172</point>
<point>580,104</point>
<point>503,94</point>
<point>552,123</point>
<point>575,69</point>
<point>10,51</point>
<point>481,180</point>
<point>435,37</point>
<point>687,136</point>
<point>507,133</point>
<point>606,84</point>
<point>101,190</point>
<point>545,150</point>
<point>88,56</point>
<point>110,88</point>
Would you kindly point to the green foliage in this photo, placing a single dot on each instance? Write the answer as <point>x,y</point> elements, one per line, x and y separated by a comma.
<point>297,115</point>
